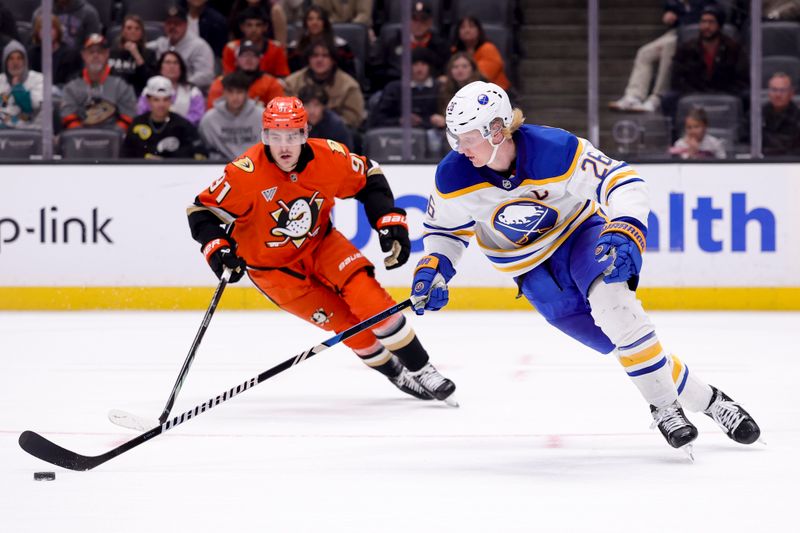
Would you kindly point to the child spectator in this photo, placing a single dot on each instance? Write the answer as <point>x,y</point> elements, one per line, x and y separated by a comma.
<point>159,133</point>
<point>317,25</point>
<point>234,123</point>
<point>344,93</point>
<point>98,99</point>
<point>79,19</point>
<point>781,129</point>
<point>21,90</point>
<point>187,100</point>
<point>424,96</point>
<point>461,70</point>
<point>130,59</point>
<point>263,87</point>
<point>67,63</point>
<point>253,24</point>
<point>325,124</point>
<point>196,53</point>
<point>208,24</point>
<point>696,143</point>
<point>472,39</point>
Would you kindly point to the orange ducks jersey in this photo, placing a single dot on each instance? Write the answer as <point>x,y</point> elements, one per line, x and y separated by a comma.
<point>280,217</point>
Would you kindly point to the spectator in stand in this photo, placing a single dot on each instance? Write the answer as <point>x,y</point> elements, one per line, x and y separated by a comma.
<point>424,96</point>
<point>317,25</point>
<point>253,24</point>
<point>130,59</point>
<point>386,59</point>
<point>461,70</point>
<point>781,116</point>
<point>207,23</point>
<point>275,11</point>
<point>325,124</point>
<point>658,52</point>
<point>67,63</point>
<point>78,18</point>
<point>712,63</point>
<point>160,133</point>
<point>234,123</point>
<point>696,143</point>
<point>472,39</point>
<point>357,11</point>
<point>98,99</point>
<point>263,87</point>
<point>344,93</point>
<point>21,90</point>
<point>788,10</point>
<point>187,99</point>
<point>294,10</point>
<point>196,53</point>
<point>8,26</point>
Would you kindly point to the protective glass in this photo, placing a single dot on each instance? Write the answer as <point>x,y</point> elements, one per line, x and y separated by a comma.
<point>284,137</point>
<point>464,141</point>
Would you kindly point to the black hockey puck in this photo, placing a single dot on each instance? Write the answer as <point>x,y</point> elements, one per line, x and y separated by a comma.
<point>44,476</point>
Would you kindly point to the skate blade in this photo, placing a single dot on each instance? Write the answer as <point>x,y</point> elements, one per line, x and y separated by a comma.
<point>688,449</point>
<point>451,401</point>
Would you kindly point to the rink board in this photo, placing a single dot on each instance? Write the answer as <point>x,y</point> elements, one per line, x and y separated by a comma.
<point>722,236</point>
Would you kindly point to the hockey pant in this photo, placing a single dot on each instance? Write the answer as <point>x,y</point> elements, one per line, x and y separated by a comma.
<point>569,291</point>
<point>335,289</point>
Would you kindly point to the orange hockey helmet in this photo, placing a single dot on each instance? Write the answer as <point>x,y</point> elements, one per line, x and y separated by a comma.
<point>284,113</point>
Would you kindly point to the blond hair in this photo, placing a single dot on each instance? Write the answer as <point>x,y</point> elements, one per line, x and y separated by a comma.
<point>517,120</point>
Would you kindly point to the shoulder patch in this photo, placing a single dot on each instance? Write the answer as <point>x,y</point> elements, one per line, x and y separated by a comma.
<point>143,131</point>
<point>336,147</point>
<point>245,164</point>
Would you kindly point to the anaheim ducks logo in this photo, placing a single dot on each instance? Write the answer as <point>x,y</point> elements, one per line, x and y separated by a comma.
<point>296,220</point>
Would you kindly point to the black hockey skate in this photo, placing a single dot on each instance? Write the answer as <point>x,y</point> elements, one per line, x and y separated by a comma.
<point>435,384</point>
<point>732,418</point>
<point>674,425</point>
<point>409,385</point>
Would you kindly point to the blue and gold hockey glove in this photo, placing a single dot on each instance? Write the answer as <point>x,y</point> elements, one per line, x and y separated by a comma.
<point>430,283</point>
<point>622,243</point>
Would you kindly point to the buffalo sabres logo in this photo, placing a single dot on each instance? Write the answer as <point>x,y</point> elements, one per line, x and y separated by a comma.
<point>483,99</point>
<point>296,220</point>
<point>523,220</point>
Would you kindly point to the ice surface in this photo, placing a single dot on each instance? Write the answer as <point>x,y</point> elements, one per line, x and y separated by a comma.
<point>549,435</point>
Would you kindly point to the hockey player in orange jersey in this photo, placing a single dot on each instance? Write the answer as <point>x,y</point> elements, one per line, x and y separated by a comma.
<point>269,215</point>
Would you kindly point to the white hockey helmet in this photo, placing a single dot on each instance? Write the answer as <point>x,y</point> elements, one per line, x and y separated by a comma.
<point>474,107</point>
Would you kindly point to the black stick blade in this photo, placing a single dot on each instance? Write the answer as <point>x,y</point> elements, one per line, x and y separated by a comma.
<point>43,449</point>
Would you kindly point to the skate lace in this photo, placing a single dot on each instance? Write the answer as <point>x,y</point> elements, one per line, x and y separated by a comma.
<point>429,377</point>
<point>404,379</point>
<point>669,418</point>
<point>726,413</point>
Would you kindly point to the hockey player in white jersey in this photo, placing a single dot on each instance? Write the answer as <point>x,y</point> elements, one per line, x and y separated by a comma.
<point>569,224</point>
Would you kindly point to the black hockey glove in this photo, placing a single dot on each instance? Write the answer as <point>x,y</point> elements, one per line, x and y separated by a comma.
<point>219,254</point>
<point>393,234</point>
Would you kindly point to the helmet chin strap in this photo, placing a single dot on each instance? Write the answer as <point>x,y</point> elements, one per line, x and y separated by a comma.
<point>495,147</point>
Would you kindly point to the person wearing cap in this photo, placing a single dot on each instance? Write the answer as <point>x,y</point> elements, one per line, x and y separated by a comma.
<point>160,133</point>
<point>263,87</point>
<point>188,101</point>
<point>195,51</point>
<point>323,123</point>
<point>233,124</point>
<point>21,90</point>
<point>97,99</point>
<point>424,96</point>
<point>711,63</point>
<point>253,24</point>
<point>388,55</point>
<point>78,18</point>
<point>269,217</point>
<point>344,92</point>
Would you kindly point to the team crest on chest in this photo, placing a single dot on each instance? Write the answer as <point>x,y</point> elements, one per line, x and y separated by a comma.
<point>523,220</point>
<point>296,221</point>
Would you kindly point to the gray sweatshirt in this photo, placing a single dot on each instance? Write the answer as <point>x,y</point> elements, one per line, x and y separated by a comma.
<point>196,53</point>
<point>227,135</point>
<point>112,98</point>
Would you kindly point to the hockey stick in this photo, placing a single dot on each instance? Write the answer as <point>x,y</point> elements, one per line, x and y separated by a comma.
<point>131,421</point>
<point>43,449</point>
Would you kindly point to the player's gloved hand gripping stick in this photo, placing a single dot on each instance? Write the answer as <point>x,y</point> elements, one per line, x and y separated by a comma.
<point>623,242</point>
<point>431,276</point>
<point>393,236</point>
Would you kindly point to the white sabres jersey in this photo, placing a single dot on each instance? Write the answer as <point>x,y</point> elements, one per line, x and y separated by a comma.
<point>518,221</point>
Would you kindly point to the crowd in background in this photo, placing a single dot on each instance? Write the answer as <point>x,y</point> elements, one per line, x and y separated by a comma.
<point>219,62</point>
